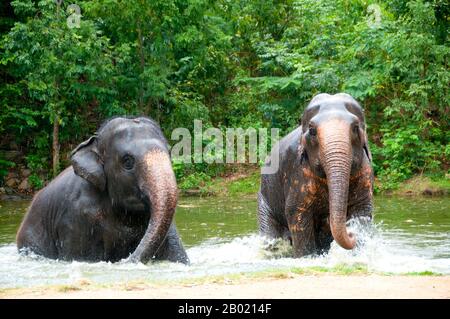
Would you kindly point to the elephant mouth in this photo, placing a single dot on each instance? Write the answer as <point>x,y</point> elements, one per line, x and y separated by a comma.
<point>319,170</point>
<point>139,204</point>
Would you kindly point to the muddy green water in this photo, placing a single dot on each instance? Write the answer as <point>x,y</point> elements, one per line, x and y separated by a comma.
<point>220,234</point>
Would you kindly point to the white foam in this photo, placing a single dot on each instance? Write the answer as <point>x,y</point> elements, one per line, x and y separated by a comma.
<point>378,250</point>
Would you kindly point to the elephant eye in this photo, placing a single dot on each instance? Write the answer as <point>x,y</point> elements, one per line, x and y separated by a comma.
<point>356,129</point>
<point>128,162</point>
<point>312,131</point>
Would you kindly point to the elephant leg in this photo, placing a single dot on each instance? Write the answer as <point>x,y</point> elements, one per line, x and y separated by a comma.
<point>301,226</point>
<point>323,235</point>
<point>360,211</point>
<point>360,204</point>
<point>268,226</point>
<point>172,248</point>
<point>323,241</point>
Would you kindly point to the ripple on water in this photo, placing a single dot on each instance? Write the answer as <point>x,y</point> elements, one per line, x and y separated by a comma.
<point>378,251</point>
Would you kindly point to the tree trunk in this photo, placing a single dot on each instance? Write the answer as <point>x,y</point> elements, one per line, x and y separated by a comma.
<point>55,145</point>
<point>142,65</point>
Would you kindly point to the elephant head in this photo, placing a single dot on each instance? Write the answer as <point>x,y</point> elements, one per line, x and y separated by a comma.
<point>334,143</point>
<point>128,160</point>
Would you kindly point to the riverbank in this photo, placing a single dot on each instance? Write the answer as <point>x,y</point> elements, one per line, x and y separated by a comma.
<point>245,182</point>
<point>219,234</point>
<point>288,285</point>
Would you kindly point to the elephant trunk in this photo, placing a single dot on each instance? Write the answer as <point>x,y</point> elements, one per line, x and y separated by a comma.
<point>158,183</point>
<point>336,158</point>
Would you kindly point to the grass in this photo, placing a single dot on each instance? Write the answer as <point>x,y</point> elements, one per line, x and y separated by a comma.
<point>424,185</point>
<point>242,182</point>
<point>423,273</point>
<point>246,182</point>
<point>67,288</point>
<point>244,185</point>
<point>228,279</point>
<point>340,269</point>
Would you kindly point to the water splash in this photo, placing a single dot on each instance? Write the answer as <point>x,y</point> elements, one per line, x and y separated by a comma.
<point>378,250</point>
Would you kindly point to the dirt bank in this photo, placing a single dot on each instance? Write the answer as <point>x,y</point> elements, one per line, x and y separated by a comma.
<point>295,286</point>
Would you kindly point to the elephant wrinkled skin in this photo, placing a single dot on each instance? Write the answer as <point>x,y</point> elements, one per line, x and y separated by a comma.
<point>118,198</point>
<point>324,178</point>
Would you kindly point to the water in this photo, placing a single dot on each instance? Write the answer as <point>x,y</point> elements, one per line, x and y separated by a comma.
<point>220,234</point>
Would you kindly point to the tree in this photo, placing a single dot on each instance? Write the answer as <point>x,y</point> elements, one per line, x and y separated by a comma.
<point>61,67</point>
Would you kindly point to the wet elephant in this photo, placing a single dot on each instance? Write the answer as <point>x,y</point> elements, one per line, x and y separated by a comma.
<point>324,178</point>
<point>116,201</point>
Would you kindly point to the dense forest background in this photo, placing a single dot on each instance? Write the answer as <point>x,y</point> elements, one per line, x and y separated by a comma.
<point>230,63</point>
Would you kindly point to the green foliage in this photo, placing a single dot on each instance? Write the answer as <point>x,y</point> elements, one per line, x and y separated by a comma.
<point>249,185</point>
<point>37,162</point>
<point>397,69</point>
<point>237,63</point>
<point>195,181</point>
<point>4,167</point>
<point>55,73</point>
<point>35,181</point>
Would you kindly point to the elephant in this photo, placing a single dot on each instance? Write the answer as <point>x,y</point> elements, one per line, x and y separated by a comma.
<point>324,178</point>
<point>115,202</point>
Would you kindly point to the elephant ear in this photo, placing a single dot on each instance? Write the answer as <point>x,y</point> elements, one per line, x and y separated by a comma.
<point>366,146</point>
<point>302,149</point>
<point>355,108</point>
<point>311,110</point>
<point>87,163</point>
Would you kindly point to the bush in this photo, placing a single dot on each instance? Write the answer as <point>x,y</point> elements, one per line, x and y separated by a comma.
<point>231,64</point>
<point>4,168</point>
